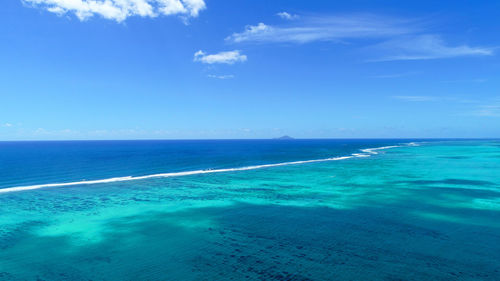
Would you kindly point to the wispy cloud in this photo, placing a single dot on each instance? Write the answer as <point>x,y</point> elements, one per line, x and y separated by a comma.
<point>229,57</point>
<point>328,28</point>
<point>442,99</point>
<point>415,98</point>
<point>222,77</point>
<point>120,10</point>
<point>468,107</point>
<point>424,47</point>
<point>6,125</point>
<point>492,110</point>
<point>384,38</point>
<point>287,16</point>
<point>393,75</point>
<point>477,80</point>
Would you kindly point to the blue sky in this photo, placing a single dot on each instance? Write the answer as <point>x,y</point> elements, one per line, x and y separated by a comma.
<point>170,69</point>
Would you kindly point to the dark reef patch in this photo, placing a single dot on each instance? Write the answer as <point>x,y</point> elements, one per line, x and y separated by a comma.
<point>448,181</point>
<point>266,242</point>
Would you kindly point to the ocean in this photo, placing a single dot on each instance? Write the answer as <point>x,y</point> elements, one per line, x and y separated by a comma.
<point>250,210</point>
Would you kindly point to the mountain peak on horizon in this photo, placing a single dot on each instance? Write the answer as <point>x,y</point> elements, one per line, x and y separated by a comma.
<point>285,137</point>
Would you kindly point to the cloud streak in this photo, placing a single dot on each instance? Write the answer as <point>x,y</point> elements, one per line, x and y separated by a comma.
<point>385,39</point>
<point>424,47</point>
<point>492,110</point>
<point>330,28</point>
<point>415,98</point>
<point>120,10</point>
<point>229,57</point>
<point>394,75</point>
<point>222,77</point>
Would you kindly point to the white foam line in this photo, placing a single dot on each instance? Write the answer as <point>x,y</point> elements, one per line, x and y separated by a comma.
<point>360,155</point>
<point>196,172</point>
<point>374,150</point>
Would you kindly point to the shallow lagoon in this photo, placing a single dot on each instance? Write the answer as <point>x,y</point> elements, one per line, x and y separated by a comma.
<point>428,212</point>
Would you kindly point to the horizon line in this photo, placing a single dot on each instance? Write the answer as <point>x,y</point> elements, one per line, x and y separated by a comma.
<point>256,139</point>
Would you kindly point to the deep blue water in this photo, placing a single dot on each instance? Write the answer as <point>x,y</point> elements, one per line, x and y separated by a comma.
<point>30,163</point>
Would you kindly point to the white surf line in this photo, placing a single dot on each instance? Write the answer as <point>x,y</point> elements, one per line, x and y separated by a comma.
<point>368,153</point>
<point>165,175</point>
<point>374,150</point>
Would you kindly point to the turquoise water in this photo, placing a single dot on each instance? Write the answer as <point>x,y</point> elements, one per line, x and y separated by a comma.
<point>429,211</point>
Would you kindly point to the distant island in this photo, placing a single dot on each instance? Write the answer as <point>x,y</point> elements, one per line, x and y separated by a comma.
<point>284,138</point>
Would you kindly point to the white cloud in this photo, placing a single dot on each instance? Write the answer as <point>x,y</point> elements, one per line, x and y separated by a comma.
<point>394,75</point>
<point>252,33</point>
<point>6,125</point>
<point>324,29</point>
<point>287,16</point>
<point>120,10</point>
<point>422,47</point>
<point>194,6</point>
<point>172,7</point>
<point>223,77</point>
<point>415,98</point>
<point>229,57</point>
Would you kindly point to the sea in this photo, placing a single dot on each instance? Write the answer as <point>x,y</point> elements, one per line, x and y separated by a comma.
<point>323,209</point>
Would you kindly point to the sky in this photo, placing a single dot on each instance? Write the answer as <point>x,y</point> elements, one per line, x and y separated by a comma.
<point>208,69</point>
